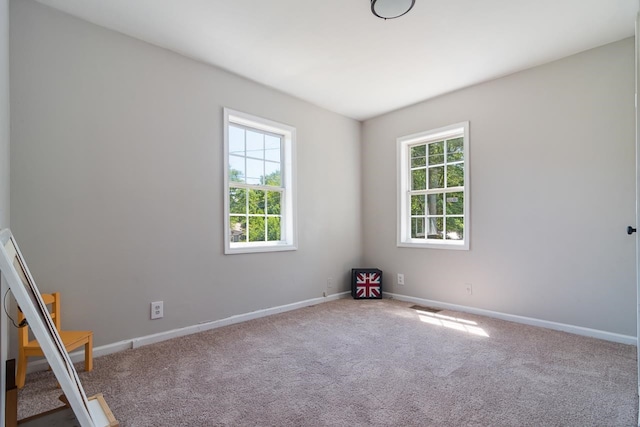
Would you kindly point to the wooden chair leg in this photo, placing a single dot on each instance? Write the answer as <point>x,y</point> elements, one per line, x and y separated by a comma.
<point>88,354</point>
<point>21,376</point>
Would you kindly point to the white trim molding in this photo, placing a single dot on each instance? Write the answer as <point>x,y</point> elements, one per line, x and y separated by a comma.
<point>103,350</point>
<point>578,330</point>
<point>287,188</point>
<point>405,193</point>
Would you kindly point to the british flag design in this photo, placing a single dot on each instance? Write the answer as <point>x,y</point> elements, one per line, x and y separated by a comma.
<point>368,285</point>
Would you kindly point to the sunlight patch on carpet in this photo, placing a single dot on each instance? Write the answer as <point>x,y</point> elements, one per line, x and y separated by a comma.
<point>463,325</point>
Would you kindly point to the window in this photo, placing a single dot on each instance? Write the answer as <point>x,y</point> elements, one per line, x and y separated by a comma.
<point>259,184</point>
<point>433,188</point>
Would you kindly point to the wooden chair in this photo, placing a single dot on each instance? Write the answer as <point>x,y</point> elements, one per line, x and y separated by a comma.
<point>71,340</point>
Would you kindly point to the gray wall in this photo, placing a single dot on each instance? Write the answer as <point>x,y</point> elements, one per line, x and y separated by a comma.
<point>4,177</point>
<point>117,186</point>
<point>4,113</point>
<point>552,190</point>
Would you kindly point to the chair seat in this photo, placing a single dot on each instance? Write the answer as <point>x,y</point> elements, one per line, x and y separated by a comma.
<point>70,339</point>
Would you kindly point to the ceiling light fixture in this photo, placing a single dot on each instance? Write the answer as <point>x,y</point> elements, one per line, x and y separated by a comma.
<point>389,9</point>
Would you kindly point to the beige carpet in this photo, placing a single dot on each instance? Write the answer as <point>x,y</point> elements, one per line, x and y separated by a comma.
<point>363,363</point>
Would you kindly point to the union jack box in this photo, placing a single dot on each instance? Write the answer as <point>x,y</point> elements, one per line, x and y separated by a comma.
<point>366,283</point>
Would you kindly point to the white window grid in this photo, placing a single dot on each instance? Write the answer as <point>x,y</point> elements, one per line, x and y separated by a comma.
<point>445,164</point>
<point>286,190</point>
<point>405,190</point>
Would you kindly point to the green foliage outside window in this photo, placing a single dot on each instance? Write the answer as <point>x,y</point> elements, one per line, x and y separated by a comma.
<point>437,165</point>
<point>255,214</point>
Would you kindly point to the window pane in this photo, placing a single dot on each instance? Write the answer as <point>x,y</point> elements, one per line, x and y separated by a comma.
<point>455,175</point>
<point>273,203</point>
<point>260,209</point>
<point>417,228</point>
<point>238,229</point>
<point>273,228</point>
<point>436,153</point>
<point>272,174</point>
<point>434,204</point>
<point>455,228</point>
<point>255,171</point>
<point>434,228</point>
<point>455,150</point>
<point>256,202</point>
<point>418,156</point>
<point>417,204</point>
<point>255,144</point>
<point>418,161</point>
<point>236,140</point>
<point>272,148</point>
<point>256,229</point>
<point>436,177</point>
<point>237,201</point>
<point>236,169</point>
<point>419,179</point>
<point>432,173</point>
<point>455,203</point>
<point>419,151</point>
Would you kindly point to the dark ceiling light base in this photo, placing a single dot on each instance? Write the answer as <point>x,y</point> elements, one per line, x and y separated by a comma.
<point>389,9</point>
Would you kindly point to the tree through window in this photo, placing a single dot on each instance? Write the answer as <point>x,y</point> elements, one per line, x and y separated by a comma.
<point>259,169</point>
<point>433,181</point>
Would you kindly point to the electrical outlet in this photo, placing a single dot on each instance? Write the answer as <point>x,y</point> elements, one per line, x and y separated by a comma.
<point>400,279</point>
<point>157,310</point>
<point>330,283</point>
<point>469,288</point>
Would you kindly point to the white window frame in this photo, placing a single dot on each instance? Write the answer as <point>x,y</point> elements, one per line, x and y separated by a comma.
<point>289,240</point>
<point>403,144</point>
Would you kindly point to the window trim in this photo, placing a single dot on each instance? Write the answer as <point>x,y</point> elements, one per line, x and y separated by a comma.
<point>288,167</point>
<point>403,143</point>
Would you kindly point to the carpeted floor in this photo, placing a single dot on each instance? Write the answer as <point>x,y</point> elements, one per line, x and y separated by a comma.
<point>363,363</point>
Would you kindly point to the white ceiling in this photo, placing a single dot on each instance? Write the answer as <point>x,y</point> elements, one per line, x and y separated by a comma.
<point>336,54</point>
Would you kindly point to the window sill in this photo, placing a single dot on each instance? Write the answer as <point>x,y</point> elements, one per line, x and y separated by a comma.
<point>452,245</point>
<point>249,248</point>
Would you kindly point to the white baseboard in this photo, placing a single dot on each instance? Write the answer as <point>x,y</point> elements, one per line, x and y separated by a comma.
<point>579,330</point>
<point>205,326</point>
<point>103,350</point>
